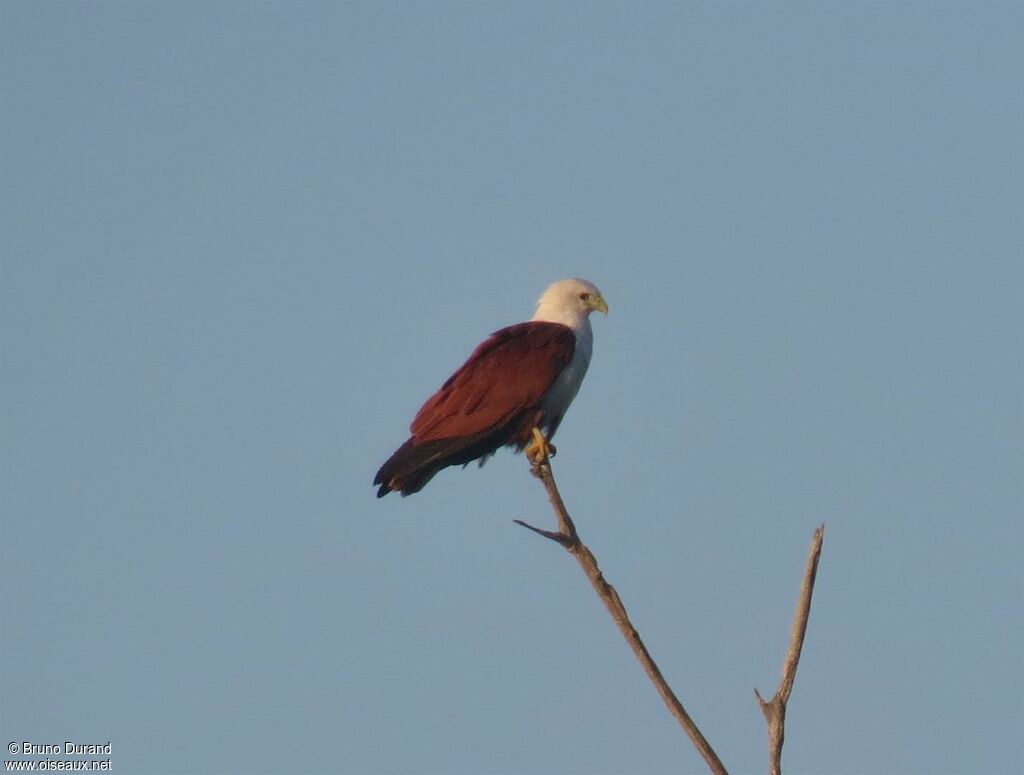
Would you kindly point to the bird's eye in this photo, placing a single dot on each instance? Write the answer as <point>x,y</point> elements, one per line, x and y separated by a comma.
<point>585,296</point>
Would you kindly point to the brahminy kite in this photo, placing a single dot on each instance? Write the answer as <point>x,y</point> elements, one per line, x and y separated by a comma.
<point>513,391</point>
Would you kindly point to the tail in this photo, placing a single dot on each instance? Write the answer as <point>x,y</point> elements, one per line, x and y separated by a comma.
<point>414,464</point>
<point>409,469</point>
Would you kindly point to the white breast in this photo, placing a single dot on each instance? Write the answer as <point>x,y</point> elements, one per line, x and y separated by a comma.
<point>568,383</point>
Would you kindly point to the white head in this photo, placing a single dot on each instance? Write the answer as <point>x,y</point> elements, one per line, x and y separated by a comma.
<point>570,303</point>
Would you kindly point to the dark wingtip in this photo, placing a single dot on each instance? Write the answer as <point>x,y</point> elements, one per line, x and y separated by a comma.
<point>413,465</point>
<point>381,479</point>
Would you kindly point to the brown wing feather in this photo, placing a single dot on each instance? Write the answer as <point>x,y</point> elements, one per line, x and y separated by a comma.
<point>508,373</point>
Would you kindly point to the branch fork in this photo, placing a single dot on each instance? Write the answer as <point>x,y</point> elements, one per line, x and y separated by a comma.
<point>774,710</point>
<point>539,452</point>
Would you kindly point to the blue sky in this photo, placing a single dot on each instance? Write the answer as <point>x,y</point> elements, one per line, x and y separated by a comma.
<point>242,242</point>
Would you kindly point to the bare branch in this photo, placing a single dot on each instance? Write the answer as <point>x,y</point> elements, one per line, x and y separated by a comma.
<point>569,538</point>
<point>554,535</point>
<point>775,709</point>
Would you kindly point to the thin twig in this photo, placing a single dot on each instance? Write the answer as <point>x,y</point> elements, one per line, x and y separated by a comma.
<point>567,537</point>
<point>775,709</point>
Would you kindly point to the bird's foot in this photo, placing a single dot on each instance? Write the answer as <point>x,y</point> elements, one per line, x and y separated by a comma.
<point>540,449</point>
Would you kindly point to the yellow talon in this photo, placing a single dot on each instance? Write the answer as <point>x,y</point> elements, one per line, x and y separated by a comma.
<point>540,449</point>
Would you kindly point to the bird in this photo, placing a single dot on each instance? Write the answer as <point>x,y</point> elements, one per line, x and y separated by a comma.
<point>513,391</point>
